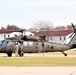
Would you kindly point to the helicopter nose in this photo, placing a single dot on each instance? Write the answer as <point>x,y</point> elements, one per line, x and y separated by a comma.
<point>0,48</point>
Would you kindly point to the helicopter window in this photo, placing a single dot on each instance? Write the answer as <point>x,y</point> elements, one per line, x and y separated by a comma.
<point>42,44</point>
<point>25,44</point>
<point>51,47</point>
<point>4,43</point>
<point>1,42</point>
<point>9,43</point>
<point>36,47</point>
<point>36,43</point>
<point>30,44</point>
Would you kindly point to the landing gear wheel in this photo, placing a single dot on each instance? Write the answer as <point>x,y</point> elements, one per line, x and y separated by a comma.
<point>21,54</point>
<point>65,54</point>
<point>9,54</point>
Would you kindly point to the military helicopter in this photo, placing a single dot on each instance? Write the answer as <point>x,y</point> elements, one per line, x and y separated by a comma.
<point>34,44</point>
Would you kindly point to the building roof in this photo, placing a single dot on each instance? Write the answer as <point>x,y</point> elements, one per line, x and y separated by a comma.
<point>53,33</point>
<point>5,31</point>
<point>40,33</point>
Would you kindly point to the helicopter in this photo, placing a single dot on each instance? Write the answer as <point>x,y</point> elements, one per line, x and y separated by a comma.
<point>35,44</point>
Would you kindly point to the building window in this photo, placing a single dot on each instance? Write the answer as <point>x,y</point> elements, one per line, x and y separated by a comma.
<point>8,36</point>
<point>4,36</point>
<point>1,35</point>
<point>51,38</point>
<point>25,44</point>
<point>51,47</point>
<point>64,38</point>
<point>60,37</point>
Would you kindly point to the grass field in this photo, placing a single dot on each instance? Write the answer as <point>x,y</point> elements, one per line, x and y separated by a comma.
<point>40,61</point>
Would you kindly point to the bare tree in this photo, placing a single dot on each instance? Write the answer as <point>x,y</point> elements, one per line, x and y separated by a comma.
<point>43,28</point>
<point>42,25</point>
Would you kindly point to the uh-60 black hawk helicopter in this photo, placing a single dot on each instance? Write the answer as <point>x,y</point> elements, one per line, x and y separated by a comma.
<point>34,44</point>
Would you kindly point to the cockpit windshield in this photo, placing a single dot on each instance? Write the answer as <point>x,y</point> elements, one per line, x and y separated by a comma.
<point>1,42</point>
<point>4,43</point>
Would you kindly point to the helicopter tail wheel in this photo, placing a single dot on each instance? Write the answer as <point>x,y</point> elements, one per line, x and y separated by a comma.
<point>64,54</point>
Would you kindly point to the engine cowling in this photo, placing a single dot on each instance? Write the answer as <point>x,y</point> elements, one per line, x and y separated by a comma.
<point>31,38</point>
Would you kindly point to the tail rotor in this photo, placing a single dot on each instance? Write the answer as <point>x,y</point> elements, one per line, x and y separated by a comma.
<point>73,31</point>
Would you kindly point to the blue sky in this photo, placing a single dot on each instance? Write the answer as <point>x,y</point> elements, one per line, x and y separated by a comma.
<point>24,13</point>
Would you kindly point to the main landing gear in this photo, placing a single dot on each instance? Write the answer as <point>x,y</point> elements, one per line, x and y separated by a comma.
<point>9,53</point>
<point>64,53</point>
<point>21,54</point>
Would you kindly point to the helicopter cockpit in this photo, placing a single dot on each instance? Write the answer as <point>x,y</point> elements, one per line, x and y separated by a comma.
<point>4,43</point>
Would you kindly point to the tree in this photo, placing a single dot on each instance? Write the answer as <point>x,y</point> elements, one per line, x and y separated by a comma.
<point>2,27</point>
<point>69,27</point>
<point>42,25</point>
<point>59,28</point>
<point>9,27</point>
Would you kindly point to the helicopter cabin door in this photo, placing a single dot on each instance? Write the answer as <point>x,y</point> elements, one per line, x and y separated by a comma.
<point>28,47</point>
<point>32,47</point>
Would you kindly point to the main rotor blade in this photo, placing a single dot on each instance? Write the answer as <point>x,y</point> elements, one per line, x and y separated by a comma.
<point>22,30</point>
<point>73,27</point>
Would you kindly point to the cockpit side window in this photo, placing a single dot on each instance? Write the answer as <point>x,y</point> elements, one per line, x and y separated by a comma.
<point>1,42</point>
<point>4,43</point>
